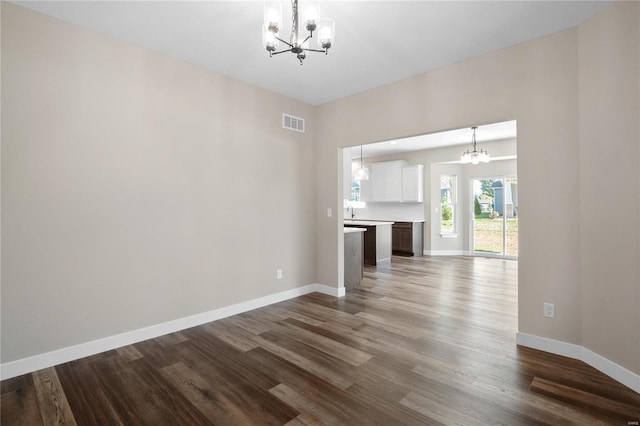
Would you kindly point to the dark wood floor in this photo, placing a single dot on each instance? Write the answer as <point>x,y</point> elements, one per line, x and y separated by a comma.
<point>426,341</point>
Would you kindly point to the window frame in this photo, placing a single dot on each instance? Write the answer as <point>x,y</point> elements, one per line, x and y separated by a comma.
<point>451,203</point>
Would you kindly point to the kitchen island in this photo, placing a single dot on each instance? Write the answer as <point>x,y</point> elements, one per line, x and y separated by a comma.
<point>377,240</point>
<point>353,256</point>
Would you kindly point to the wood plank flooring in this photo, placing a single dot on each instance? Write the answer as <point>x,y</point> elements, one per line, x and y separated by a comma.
<point>424,341</point>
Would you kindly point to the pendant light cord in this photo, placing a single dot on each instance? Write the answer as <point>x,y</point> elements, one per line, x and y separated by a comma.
<point>474,139</point>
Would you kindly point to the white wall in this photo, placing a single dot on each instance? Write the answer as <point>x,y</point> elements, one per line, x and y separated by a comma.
<point>138,189</point>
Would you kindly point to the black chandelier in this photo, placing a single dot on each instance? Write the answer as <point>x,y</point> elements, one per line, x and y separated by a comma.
<point>298,43</point>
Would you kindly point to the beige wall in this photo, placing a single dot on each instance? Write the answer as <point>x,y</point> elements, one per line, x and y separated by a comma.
<point>537,84</point>
<point>137,189</point>
<point>609,200</point>
<point>534,83</point>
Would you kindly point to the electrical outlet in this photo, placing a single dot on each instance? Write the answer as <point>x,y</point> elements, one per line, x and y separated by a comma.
<point>549,310</point>
<point>279,274</point>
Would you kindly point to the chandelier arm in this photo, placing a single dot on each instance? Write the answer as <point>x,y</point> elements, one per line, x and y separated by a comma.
<point>305,40</point>
<point>282,51</point>
<point>314,50</point>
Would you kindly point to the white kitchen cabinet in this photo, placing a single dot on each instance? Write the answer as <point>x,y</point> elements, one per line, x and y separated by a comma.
<point>365,189</point>
<point>378,182</point>
<point>394,181</point>
<point>413,183</point>
<point>386,181</point>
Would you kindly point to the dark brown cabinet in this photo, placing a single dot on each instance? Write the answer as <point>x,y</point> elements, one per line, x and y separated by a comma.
<point>406,238</point>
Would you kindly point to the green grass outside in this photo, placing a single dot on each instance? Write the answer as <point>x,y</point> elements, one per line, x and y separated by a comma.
<point>488,235</point>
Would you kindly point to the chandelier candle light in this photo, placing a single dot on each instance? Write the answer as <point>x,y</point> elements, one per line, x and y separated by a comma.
<point>361,173</point>
<point>298,43</point>
<point>475,156</point>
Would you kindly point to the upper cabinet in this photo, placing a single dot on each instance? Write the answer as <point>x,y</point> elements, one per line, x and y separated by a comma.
<point>386,181</point>
<point>413,183</point>
<point>394,181</point>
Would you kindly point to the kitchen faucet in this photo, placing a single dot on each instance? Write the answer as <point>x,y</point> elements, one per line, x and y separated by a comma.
<point>352,213</point>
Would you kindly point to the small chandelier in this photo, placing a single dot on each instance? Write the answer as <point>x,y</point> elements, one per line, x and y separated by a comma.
<point>361,173</point>
<point>298,43</point>
<point>474,157</point>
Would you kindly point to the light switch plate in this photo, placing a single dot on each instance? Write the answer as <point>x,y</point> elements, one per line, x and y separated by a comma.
<point>329,212</point>
<point>549,310</point>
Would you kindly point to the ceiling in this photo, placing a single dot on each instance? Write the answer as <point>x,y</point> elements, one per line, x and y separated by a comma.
<point>377,42</point>
<point>490,132</point>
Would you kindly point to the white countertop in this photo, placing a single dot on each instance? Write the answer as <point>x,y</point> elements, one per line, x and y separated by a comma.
<point>366,222</point>
<point>348,230</point>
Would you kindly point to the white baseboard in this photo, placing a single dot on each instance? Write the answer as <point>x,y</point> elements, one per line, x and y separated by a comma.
<point>445,253</point>
<point>331,291</point>
<point>610,368</point>
<point>71,353</point>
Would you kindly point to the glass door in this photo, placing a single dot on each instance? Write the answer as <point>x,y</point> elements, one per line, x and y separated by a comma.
<point>495,216</point>
<point>511,216</point>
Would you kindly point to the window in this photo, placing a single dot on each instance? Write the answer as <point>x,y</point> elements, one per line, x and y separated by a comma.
<point>448,197</point>
<point>355,191</point>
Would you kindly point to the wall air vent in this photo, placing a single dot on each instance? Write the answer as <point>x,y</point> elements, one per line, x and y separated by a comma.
<point>293,123</point>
